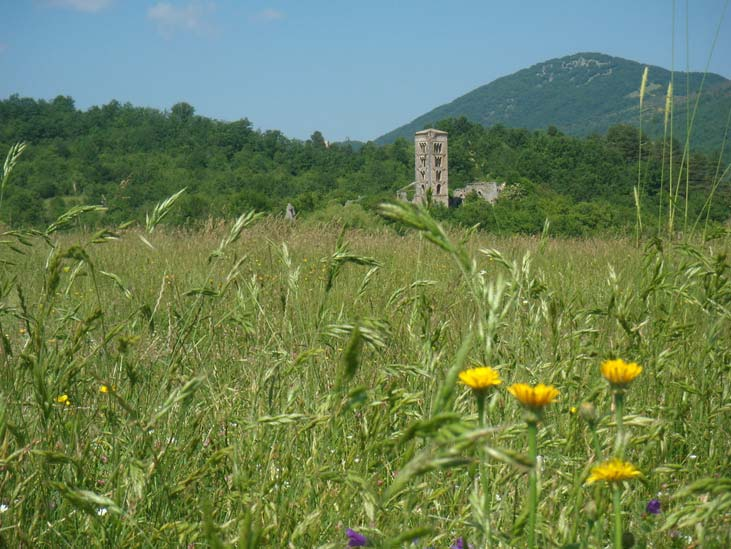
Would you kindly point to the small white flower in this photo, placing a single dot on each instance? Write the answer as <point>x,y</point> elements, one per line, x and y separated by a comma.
<point>692,456</point>
<point>3,507</point>
<point>101,511</point>
<point>498,497</point>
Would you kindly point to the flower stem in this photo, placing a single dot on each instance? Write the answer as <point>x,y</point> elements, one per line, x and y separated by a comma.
<point>486,502</point>
<point>596,444</point>
<point>484,471</point>
<point>481,407</point>
<point>619,414</point>
<point>532,483</point>
<point>617,517</point>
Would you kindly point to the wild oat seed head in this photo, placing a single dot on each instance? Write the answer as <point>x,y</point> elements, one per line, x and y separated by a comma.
<point>620,373</point>
<point>532,397</point>
<point>481,378</point>
<point>668,104</point>
<point>643,87</point>
<point>614,470</point>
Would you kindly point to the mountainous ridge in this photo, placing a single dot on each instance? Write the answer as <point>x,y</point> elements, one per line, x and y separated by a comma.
<point>587,93</point>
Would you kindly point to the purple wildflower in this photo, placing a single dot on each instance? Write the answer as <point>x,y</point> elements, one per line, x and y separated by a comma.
<point>654,507</point>
<point>355,539</point>
<point>458,544</point>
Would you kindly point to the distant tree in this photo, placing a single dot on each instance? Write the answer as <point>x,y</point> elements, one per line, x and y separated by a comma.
<point>625,139</point>
<point>24,208</point>
<point>182,112</point>
<point>317,140</point>
<point>64,103</point>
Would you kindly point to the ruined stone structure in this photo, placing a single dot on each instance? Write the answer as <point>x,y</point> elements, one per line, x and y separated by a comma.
<point>431,168</point>
<point>488,191</point>
<point>289,213</point>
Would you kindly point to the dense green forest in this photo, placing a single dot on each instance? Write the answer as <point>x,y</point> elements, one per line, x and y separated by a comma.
<point>128,158</point>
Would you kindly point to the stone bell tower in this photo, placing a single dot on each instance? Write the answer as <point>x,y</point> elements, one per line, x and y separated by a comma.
<point>431,176</point>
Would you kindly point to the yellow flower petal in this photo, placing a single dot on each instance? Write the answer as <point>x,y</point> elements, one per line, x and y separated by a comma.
<point>620,373</point>
<point>534,397</point>
<point>480,378</point>
<point>614,470</point>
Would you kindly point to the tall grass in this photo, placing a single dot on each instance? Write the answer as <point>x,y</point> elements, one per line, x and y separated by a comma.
<point>267,385</point>
<point>679,175</point>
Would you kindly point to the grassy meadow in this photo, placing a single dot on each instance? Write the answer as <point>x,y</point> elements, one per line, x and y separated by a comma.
<point>266,384</point>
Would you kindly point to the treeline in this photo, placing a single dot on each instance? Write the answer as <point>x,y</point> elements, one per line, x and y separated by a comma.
<point>129,158</point>
<point>582,185</point>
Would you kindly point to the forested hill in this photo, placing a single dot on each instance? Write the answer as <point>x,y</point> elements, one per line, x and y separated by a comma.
<point>587,93</point>
<point>129,158</point>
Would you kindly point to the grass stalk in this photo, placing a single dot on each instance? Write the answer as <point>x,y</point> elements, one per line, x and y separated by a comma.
<point>669,114</point>
<point>638,187</point>
<point>668,106</point>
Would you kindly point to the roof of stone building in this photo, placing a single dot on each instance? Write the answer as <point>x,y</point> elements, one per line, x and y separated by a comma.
<point>432,130</point>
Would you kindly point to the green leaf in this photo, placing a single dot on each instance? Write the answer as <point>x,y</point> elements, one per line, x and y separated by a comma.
<point>87,501</point>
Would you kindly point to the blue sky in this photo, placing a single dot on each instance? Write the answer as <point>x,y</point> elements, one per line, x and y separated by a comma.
<point>349,69</point>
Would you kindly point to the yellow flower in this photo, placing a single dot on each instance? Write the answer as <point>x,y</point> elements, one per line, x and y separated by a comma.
<point>619,373</point>
<point>63,399</point>
<point>536,397</point>
<point>614,470</point>
<point>480,378</point>
<point>104,389</point>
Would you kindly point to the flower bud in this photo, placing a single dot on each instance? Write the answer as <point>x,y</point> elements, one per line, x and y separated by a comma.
<point>588,412</point>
